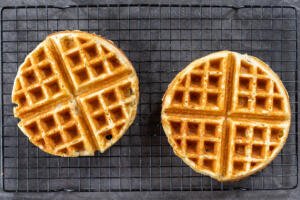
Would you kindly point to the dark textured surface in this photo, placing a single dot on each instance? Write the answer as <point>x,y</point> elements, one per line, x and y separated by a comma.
<point>292,194</point>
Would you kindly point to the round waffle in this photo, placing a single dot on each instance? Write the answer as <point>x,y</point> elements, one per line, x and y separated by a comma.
<point>226,115</point>
<point>75,93</point>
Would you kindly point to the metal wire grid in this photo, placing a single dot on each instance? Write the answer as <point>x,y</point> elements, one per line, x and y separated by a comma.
<point>160,40</point>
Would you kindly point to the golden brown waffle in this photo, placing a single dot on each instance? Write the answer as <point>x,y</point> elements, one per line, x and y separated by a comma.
<point>75,93</point>
<point>226,115</point>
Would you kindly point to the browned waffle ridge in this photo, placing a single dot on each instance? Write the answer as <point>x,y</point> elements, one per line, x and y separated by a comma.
<point>227,115</point>
<point>76,93</point>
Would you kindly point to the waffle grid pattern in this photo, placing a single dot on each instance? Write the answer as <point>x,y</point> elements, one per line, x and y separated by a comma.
<point>62,132</point>
<point>199,140</point>
<point>82,51</point>
<point>108,110</point>
<point>203,88</point>
<point>256,92</point>
<point>38,83</point>
<point>241,77</point>
<point>87,61</point>
<point>253,144</point>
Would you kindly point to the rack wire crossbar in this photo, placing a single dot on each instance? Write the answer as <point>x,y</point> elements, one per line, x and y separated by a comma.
<point>160,39</point>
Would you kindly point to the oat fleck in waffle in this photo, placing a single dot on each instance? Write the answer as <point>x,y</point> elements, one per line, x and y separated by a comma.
<point>226,115</point>
<point>75,93</point>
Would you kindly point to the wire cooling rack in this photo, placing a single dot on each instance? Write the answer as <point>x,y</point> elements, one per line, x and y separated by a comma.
<point>160,40</point>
